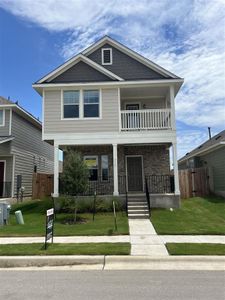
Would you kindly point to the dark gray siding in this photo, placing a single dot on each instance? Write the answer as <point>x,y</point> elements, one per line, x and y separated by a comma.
<point>4,130</point>
<point>81,72</point>
<point>29,150</point>
<point>5,148</point>
<point>216,160</point>
<point>124,65</point>
<point>29,137</point>
<point>24,165</point>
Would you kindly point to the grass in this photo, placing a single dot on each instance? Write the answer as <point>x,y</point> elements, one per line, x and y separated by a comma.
<point>196,216</point>
<point>195,249</point>
<point>66,249</point>
<point>34,217</point>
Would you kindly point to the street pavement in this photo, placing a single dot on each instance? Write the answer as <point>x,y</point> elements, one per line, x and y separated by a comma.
<point>99,285</point>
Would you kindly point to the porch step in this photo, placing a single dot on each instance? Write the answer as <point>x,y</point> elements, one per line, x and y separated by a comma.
<point>137,212</point>
<point>138,216</point>
<point>137,200</point>
<point>137,207</point>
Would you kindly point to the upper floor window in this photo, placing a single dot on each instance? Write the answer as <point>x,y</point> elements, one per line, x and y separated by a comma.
<point>71,104</point>
<point>106,56</point>
<point>91,103</point>
<point>2,118</point>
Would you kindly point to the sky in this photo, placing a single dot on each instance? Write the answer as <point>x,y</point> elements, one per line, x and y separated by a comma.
<point>184,36</point>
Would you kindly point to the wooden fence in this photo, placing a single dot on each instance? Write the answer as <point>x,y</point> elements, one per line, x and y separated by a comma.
<point>42,185</point>
<point>194,182</point>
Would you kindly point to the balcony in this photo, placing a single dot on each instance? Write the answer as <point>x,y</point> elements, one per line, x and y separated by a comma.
<point>145,119</point>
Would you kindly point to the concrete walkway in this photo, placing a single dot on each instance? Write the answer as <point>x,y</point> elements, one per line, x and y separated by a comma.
<point>139,238</point>
<point>67,239</point>
<point>144,239</point>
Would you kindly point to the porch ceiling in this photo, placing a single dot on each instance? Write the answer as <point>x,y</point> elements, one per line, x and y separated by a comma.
<point>144,92</point>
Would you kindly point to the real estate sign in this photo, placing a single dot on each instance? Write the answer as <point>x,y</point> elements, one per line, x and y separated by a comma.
<point>49,226</point>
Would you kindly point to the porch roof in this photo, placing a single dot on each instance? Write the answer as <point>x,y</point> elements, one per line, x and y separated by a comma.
<point>4,139</point>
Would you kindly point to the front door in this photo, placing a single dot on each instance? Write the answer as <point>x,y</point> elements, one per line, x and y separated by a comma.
<point>2,170</point>
<point>134,173</point>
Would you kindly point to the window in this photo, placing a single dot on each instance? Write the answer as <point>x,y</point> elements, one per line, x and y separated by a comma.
<point>71,100</point>
<point>2,121</point>
<point>91,104</point>
<point>106,56</point>
<point>92,164</point>
<point>105,167</point>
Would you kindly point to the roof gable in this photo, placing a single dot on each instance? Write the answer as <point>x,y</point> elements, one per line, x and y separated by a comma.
<point>125,66</point>
<point>80,72</point>
<point>217,140</point>
<point>73,61</point>
<point>130,53</point>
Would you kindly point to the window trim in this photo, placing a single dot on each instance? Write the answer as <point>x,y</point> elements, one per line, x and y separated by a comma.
<point>73,90</point>
<point>111,58</point>
<point>3,118</point>
<point>81,105</point>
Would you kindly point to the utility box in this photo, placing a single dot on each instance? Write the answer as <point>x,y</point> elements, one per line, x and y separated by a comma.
<point>4,213</point>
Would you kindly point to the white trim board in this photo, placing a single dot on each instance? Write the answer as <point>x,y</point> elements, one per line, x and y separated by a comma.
<point>112,84</point>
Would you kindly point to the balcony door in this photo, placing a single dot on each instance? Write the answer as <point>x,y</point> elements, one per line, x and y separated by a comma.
<point>133,118</point>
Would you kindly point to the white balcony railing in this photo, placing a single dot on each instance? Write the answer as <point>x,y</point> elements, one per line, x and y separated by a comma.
<point>145,119</point>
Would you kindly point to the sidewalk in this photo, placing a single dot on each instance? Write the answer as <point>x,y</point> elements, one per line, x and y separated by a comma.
<point>138,239</point>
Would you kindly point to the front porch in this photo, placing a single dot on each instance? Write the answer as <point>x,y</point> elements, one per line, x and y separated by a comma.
<point>120,169</point>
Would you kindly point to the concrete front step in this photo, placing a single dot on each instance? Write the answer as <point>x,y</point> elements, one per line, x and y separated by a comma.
<point>138,217</point>
<point>138,207</point>
<point>137,202</point>
<point>138,211</point>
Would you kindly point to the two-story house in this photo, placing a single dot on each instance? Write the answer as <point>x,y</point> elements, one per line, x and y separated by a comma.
<point>22,150</point>
<point>117,109</point>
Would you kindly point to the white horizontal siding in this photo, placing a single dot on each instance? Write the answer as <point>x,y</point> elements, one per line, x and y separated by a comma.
<point>108,123</point>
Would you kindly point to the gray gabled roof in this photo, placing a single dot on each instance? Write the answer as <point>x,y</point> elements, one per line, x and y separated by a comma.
<point>6,103</point>
<point>216,140</point>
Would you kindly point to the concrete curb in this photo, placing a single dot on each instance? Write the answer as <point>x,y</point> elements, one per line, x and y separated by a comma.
<point>56,260</point>
<point>165,263</point>
<point>117,262</point>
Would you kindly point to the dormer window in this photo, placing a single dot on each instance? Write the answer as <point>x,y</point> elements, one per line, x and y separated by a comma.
<point>106,56</point>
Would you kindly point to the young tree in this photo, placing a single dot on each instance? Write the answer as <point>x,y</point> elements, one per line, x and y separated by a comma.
<point>74,178</point>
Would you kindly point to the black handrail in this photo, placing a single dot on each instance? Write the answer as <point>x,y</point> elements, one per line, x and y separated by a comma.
<point>126,194</point>
<point>148,196</point>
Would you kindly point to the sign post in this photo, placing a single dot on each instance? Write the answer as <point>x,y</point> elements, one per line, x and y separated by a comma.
<point>49,226</point>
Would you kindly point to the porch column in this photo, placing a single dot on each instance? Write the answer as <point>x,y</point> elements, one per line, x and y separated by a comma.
<point>56,170</point>
<point>175,169</point>
<point>172,104</point>
<point>115,171</point>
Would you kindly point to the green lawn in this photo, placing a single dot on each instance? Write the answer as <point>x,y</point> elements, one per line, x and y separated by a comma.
<point>196,216</point>
<point>66,249</point>
<point>34,218</point>
<point>195,249</point>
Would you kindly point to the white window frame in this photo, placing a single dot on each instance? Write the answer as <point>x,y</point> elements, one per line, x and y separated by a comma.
<point>62,104</point>
<point>3,118</point>
<point>81,105</point>
<point>111,59</point>
<point>93,156</point>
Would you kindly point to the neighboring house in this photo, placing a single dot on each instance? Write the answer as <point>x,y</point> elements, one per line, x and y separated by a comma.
<point>210,154</point>
<point>22,150</point>
<point>116,108</point>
